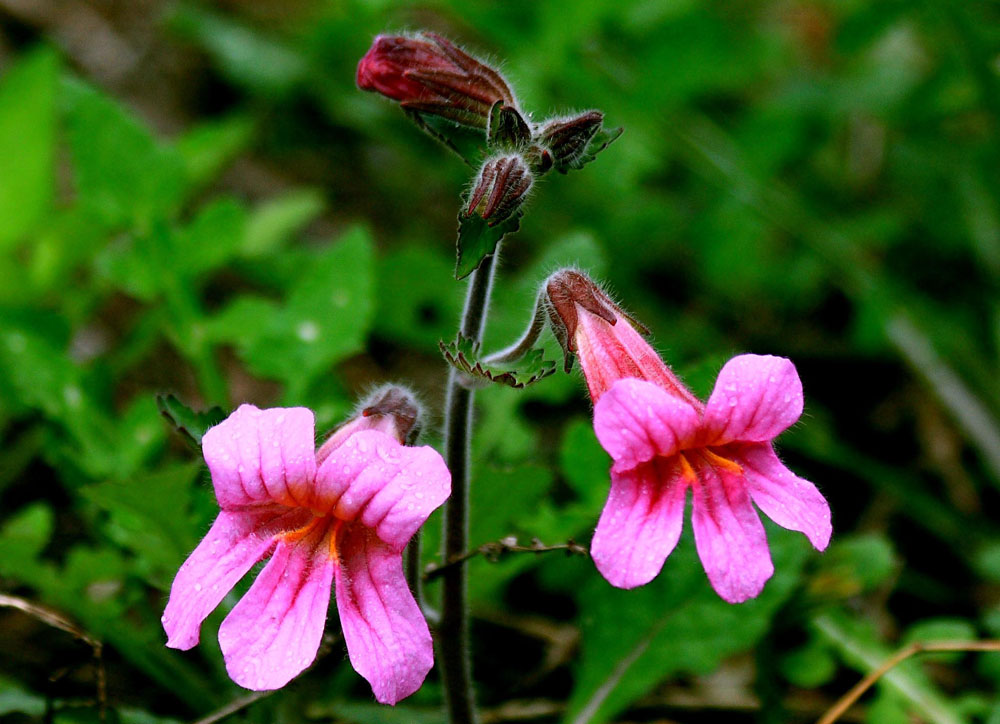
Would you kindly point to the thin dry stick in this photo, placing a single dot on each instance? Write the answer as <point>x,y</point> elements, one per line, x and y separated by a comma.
<point>57,620</point>
<point>918,647</point>
<point>233,707</point>
<point>493,551</point>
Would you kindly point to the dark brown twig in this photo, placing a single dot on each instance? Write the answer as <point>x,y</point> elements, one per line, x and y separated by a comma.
<point>494,551</point>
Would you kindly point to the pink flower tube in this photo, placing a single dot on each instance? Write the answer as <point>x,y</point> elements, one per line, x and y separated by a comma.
<point>664,441</point>
<point>339,519</point>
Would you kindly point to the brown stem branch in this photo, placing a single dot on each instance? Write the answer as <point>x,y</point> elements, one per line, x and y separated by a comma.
<point>56,620</point>
<point>497,549</point>
<point>918,647</point>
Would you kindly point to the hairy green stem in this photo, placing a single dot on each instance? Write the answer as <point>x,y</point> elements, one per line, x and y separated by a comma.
<point>453,631</point>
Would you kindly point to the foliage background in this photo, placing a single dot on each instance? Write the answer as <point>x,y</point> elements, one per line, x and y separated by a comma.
<point>194,198</point>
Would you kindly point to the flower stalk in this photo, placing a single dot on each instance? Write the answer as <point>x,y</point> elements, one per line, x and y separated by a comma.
<point>453,631</point>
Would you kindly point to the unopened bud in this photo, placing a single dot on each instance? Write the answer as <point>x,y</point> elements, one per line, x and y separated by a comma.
<point>507,127</point>
<point>500,190</point>
<point>391,409</point>
<point>428,74</point>
<point>568,138</point>
<point>565,291</point>
<point>607,340</point>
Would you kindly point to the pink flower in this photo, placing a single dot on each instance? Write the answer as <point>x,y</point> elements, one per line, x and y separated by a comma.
<point>341,518</point>
<point>664,441</point>
<point>429,74</point>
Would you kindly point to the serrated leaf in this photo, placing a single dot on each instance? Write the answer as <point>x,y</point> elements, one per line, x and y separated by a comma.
<point>189,423</point>
<point>478,240</point>
<point>601,140</point>
<point>27,143</point>
<point>463,355</point>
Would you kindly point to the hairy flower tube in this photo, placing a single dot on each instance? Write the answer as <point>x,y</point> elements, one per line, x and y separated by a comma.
<point>664,441</point>
<point>429,74</point>
<point>337,518</point>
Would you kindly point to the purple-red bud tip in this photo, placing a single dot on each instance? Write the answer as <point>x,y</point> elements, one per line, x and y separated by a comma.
<point>429,74</point>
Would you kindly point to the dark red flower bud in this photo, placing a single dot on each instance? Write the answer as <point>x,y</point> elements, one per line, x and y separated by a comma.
<point>568,138</point>
<point>391,409</point>
<point>428,74</point>
<point>502,186</point>
<point>607,339</point>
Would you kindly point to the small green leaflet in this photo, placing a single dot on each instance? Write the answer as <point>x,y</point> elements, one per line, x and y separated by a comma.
<point>478,240</point>
<point>463,355</point>
<point>192,425</point>
<point>601,140</point>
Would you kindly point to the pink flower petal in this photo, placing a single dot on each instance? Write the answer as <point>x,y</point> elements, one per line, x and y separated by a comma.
<point>790,501</point>
<point>636,421</point>
<point>274,632</point>
<point>641,522</point>
<point>259,456</point>
<point>755,399</point>
<point>389,487</point>
<point>236,541</point>
<point>387,637</point>
<point>728,533</point>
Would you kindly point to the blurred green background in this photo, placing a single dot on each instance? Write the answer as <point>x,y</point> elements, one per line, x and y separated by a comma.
<point>195,199</point>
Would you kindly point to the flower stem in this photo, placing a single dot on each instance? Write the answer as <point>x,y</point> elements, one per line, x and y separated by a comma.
<point>453,632</point>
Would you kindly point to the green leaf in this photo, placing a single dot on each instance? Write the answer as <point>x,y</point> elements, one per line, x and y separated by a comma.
<point>24,535</point>
<point>854,564</point>
<point>15,699</point>
<point>122,173</point>
<point>468,143</point>
<point>601,140</point>
<point>212,238</point>
<point>478,240</point>
<point>27,143</point>
<point>632,640</point>
<point>148,516</point>
<point>463,355</point>
<point>425,301</point>
<point>246,55</point>
<point>189,423</point>
<point>326,317</point>
<point>208,147</point>
<point>277,220</point>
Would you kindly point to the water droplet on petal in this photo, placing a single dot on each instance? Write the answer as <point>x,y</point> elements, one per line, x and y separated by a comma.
<point>733,402</point>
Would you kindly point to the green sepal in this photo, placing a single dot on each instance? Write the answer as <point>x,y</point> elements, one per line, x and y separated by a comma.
<point>601,140</point>
<point>507,130</point>
<point>463,355</point>
<point>468,143</point>
<point>478,240</point>
<point>190,424</point>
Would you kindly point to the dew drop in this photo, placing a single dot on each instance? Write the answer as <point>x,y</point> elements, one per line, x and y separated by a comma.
<point>733,402</point>
<point>197,587</point>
